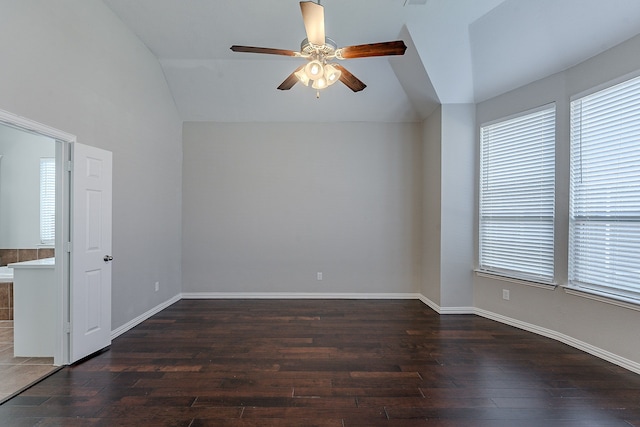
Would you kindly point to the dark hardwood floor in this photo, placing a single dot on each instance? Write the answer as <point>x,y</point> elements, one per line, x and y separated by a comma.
<point>329,363</point>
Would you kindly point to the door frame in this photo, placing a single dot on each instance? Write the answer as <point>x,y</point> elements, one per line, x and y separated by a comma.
<point>64,142</point>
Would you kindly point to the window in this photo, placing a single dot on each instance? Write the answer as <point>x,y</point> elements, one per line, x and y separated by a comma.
<point>47,200</point>
<point>517,196</point>
<point>604,227</point>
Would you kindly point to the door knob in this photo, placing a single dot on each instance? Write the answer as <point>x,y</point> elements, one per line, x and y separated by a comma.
<point>107,258</point>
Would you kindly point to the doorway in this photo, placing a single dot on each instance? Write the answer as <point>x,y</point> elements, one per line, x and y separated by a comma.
<point>80,298</point>
<point>27,236</point>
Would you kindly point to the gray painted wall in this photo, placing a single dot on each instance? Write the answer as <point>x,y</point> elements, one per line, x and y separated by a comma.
<point>448,206</point>
<point>604,326</point>
<point>72,65</point>
<point>267,206</point>
<point>20,186</point>
<point>457,205</point>
<point>432,183</point>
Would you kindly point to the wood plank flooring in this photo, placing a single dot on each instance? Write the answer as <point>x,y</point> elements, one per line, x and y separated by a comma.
<point>329,363</point>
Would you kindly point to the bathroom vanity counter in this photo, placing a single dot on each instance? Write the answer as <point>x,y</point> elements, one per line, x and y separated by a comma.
<point>36,263</point>
<point>34,292</point>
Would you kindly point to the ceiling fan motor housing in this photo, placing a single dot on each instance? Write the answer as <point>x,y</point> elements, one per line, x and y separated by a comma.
<point>326,51</point>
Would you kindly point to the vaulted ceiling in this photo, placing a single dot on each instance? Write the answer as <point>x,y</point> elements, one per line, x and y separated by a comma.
<point>459,51</point>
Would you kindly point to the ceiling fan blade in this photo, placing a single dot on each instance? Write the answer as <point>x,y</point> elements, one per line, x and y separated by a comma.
<point>266,50</point>
<point>375,49</point>
<point>313,17</point>
<point>351,81</point>
<point>290,81</point>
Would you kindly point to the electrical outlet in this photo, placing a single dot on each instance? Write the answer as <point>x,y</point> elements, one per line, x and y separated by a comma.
<point>505,294</point>
<point>157,286</point>
<point>319,276</point>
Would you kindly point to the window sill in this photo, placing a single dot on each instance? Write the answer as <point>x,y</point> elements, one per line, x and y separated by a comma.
<point>603,297</point>
<point>496,276</point>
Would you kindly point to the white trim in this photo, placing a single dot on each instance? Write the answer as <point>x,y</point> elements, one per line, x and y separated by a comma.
<point>457,310</point>
<point>144,316</point>
<point>602,297</point>
<point>505,278</point>
<point>580,345</point>
<point>432,305</point>
<point>296,295</point>
<point>445,310</point>
<point>23,123</point>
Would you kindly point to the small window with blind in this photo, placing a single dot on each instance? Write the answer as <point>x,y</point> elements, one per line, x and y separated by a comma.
<point>517,196</point>
<point>47,200</point>
<point>604,216</point>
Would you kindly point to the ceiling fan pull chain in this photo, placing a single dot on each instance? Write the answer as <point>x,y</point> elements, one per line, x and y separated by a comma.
<point>318,94</point>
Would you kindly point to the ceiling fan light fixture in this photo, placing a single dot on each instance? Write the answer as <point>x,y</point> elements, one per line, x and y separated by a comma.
<point>314,69</point>
<point>302,77</point>
<point>320,83</point>
<point>332,74</point>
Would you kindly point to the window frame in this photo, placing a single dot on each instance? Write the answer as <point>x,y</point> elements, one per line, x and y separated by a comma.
<point>547,112</point>
<point>599,291</point>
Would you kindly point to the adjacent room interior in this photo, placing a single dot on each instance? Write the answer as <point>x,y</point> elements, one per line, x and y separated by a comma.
<point>225,187</point>
<point>27,177</point>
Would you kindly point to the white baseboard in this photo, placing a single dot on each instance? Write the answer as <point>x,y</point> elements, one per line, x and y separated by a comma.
<point>296,295</point>
<point>445,310</point>
<point>457,310</point>
<point>435,307</point>
<point>580,345</point>
<point>144,316</point>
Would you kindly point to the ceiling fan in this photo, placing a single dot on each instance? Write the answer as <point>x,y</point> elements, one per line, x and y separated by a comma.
<point>319,51</point>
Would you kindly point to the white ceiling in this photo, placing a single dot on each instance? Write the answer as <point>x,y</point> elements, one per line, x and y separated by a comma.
<point>459,51</point>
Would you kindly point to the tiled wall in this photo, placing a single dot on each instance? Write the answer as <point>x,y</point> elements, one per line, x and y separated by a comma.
<point>8,256</point>
<point>6,301</point>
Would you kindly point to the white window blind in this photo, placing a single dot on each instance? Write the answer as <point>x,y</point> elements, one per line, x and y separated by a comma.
<point>517,196</point>
<point>47,200</point>
<point>604,227</point>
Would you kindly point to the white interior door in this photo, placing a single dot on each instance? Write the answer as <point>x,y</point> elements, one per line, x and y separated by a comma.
<point>90,293</point>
